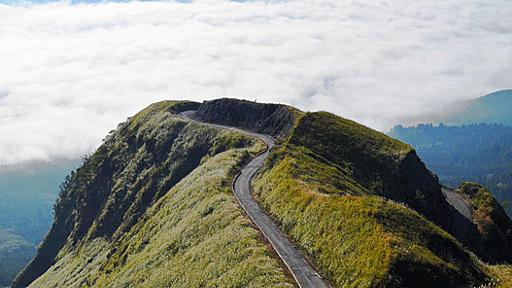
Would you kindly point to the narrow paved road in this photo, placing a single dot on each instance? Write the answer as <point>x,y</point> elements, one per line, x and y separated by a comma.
<point>302,271</point>
<point>458,203</point>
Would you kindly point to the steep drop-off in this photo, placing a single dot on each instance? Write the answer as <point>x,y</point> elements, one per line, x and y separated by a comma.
<point>494,225</point>
<point>271,119</point>
<point>479,153</point>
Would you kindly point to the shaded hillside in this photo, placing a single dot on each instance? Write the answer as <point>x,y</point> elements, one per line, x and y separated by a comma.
<point>495,107</point>
<point>122,218</point>
<point>492,222</point>
<point>481,153</point>
<point>15,253</point>
<point>271,119</point>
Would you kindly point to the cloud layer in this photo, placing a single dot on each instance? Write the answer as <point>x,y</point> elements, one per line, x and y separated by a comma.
<point>70,73</point>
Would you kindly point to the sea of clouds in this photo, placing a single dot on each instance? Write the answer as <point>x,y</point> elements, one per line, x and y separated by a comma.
<point>70,73</point>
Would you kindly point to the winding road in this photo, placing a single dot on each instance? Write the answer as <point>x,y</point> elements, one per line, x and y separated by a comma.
<point>302,271</point>
<point>458,203</point>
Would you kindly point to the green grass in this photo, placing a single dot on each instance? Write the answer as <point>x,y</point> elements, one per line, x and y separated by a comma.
<point>493,223</point>
<point>360,241</point>
<point>361,155</point>
<point>323,128</point>
<point>503,276</point>
<point>481,199</point>
<point>313,188</point>
<point>167,216</point>
<point>158,108</point>
<point>195,236</point>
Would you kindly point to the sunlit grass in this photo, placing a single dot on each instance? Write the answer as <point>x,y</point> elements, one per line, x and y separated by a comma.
<point>356,239</point>
<point>194,235</point>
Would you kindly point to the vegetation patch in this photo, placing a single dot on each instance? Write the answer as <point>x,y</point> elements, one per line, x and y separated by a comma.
<point>153,207</point>
<point>15,253</point>
<point>156,196</point>
<point>195,236</point>
<point>312,185</point>
<point>493,223</point>
<point>445,150</point>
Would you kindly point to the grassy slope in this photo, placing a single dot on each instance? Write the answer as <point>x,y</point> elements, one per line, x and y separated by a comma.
<point>357,240</point>
<point>503,275</point>
<point>192,234</point>
<point>195,236</point>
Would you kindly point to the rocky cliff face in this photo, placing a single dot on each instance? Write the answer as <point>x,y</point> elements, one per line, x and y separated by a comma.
<point>271,119</point>
<point>494,241</point>
<point>421,190</point>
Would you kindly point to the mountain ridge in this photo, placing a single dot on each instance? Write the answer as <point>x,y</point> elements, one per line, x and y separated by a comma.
<point>495,107</point>
<point>147,174</point>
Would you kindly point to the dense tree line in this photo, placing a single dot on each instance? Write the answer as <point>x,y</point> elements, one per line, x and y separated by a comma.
<point>475,152</point>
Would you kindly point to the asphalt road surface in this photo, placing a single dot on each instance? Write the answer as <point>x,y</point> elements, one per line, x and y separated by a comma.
<point>302,271</point>
<point>458,203</point>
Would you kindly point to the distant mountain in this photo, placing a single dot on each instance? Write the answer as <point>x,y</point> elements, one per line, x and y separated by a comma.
<point>15,253</point>
<point>478,152</point>
<point>458,150</point>
<point>495,107</point>
<point>27,194</point>
<point>154,207</point>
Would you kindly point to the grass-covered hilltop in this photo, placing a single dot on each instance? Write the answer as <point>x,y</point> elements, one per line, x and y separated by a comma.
<point>153,207</point>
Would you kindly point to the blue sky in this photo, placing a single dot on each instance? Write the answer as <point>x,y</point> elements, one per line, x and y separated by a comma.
<point>70,73</point>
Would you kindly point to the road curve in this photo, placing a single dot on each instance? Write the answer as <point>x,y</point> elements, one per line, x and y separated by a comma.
<point>458,203</point>
<point>302,271</point>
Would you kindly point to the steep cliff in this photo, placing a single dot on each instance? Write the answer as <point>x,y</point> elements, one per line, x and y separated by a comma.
<point>272,119</point>
<point>493,224</point>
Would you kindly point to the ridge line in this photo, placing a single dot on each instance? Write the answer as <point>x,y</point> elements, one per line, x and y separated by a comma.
<point>302,271</point>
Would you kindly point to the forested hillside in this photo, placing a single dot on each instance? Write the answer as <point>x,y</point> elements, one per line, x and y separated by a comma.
<point>15,253</point>
<point>478,152</point>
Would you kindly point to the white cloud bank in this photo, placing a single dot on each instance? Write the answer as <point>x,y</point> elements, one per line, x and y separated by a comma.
<point>70,73</point>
